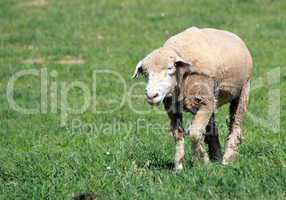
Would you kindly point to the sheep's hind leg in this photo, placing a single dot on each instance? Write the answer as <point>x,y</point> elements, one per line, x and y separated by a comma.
<point>238,108</point>
<point>212,140</point>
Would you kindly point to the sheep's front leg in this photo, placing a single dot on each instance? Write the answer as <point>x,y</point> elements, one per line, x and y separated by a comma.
<point>178,134</point>
<point>177,131</point>
<point>196,132</point>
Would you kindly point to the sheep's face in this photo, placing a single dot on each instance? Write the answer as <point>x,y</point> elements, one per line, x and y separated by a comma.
<point>159,69</point>
<point>159,84</point>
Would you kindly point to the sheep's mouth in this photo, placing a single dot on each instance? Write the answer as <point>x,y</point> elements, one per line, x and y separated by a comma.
<point>156,101</point>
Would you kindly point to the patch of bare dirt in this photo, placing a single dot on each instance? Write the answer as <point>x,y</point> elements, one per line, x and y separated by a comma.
<point>67,60</point>
<point>37,3</point>
<point>70,61</point>
<point>33,61</point>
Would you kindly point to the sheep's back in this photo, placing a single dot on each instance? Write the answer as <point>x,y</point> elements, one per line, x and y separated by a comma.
<point>218,54</point>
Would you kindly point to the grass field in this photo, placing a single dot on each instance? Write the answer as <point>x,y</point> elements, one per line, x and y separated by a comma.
<point>119,155</point>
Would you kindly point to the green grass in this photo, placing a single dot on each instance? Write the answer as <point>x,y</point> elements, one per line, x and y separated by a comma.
<point>40,159</point>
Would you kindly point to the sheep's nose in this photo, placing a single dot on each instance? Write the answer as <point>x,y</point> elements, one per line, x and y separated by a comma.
<point>152,95</point>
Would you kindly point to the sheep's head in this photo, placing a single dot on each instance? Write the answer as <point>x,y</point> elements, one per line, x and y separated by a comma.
<point>162,69</point>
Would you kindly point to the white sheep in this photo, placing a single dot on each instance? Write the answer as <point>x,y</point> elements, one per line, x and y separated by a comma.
<point>197,71</point>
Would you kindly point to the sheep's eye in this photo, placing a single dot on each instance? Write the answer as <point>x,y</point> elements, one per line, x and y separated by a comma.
<point>171,70</point>
<point>146,75</point>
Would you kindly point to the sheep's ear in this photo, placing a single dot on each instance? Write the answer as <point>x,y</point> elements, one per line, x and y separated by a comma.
<point>182,66</point>
<point>138,70</point>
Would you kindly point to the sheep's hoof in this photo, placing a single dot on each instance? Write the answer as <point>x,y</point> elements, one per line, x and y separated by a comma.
<point>179,167</point>
<point>229,156</point>
<point>224,162</point>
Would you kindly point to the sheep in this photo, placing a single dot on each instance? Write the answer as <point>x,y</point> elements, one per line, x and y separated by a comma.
<point>198,71</point>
